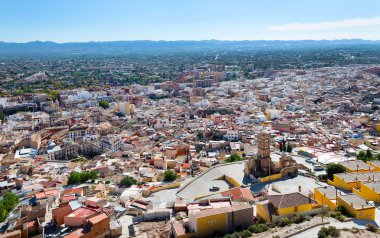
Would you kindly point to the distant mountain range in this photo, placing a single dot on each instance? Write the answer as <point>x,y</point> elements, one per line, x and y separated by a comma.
<point>46,48</point>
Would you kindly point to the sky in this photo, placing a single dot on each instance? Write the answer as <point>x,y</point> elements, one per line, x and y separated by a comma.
<point>113,20</point>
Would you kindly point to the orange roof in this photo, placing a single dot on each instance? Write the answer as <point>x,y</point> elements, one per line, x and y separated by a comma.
<point>68,197</point>
<point>76,234</point>
<point>31,224</point>
<point>98,218</point>
<point>73,190</point>
<point>61,211</point>
<point>186,166</point>
<point>82,212</point>
<point>238,192</point>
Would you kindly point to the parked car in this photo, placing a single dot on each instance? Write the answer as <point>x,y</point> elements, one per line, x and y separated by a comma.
<point>214,188</point>
<point>310,160</point>
<point>318,168</point>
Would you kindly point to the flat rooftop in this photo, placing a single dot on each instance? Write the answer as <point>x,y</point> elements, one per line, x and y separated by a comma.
<point>291,185</point>
<point>329,191</point>
<point>356,201</point>
<point>357,165</point>
<point>200,185</point>
<point>366,176</point>
<point>375,186</point>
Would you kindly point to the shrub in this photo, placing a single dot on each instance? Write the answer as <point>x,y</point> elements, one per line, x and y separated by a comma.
<point>127,181</point>
<point>337,214</point>
<point>170,175</point>
<point>245,234</point>
<point>284,222</point>
<point>330,231</point>
<point>299,219</point>
<point>104,104</point>
<point>371,227</point>
<point>258,228</point>
<point>233,158</point>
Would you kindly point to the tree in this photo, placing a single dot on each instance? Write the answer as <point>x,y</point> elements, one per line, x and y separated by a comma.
<point>1,117</point>
<point>170,175</point>
<point>369,154</point>
<point>104,104</point>
<point>81,177</point>
<point>233,158</point>
<point>289,148</point>
<point>283,145</point>
<point>334,169</point>
<point>8,203</point>
<point>54,95</point>
<point>200,135</point>
<point>127,181</point>
<point>365,155</point>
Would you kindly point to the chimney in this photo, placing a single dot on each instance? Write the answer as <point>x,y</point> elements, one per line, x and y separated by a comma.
<point>299,188</point>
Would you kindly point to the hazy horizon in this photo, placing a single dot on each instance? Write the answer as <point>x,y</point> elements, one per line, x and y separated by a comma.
<point>172,20</point>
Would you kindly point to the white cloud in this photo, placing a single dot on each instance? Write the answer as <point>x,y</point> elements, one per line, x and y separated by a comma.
<point>320,26</point>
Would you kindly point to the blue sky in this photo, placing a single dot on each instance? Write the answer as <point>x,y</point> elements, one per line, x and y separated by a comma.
<point>110,20</point>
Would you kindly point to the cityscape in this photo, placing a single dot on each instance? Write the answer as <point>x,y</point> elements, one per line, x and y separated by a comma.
<point>189,137</point>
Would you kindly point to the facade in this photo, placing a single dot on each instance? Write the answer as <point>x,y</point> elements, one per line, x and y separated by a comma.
<point>326,196</point>
<point>349,181</point>
<point>111,143</point>
<point>287,205</point>
<point>232,135</point>
<point>357,206</point>
<point>218,221</point>
<point>369,190</point>
<point>78,132</point>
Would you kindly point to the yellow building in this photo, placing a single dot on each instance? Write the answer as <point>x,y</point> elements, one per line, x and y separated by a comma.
<point>218,221</point>
<point>356,206</point>
<point>326,196</point>
<point>375,164</point>
<point>349,181</point>
<point>369,191</point>
<point>287,205</point>
<point>357,166</point>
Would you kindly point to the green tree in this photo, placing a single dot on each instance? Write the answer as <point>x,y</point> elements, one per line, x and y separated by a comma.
<point>200,135</point>
<point>54,95</point>
<point>104,104</point>
<point>362,156</point>
<point>334,169</point>
<point>289,148</point>
<point>81,177</point>
<point>74,178</point>
<point>127,181</point>
<point>233,158</point>
<point>369,154</point>
<point>365,156</point>
<point>170,175</point>
<point>7,204</point>
<point>2,117</point>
